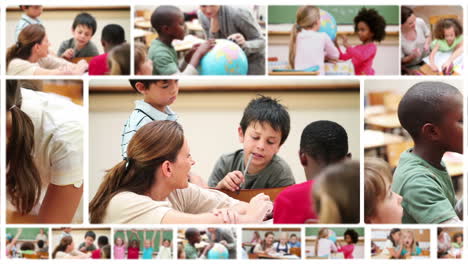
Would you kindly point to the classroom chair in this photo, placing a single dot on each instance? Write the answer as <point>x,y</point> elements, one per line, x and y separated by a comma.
<point>394,151</point>
<point>377,98</point>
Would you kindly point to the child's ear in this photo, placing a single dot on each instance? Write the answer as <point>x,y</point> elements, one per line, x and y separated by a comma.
<point>140,87</point>
<point>303,158</point>
<point>430,131</point>
<point>241,134</point>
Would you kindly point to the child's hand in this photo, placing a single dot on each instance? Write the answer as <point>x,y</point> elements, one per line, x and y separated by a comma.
<point>231,181</point>
<point>205,47</point>
<point>446,67</point>
<point>237,38</point>
<point>224,243</point>
<point>190,53</point>
<point>68,54</point>
<point>331,60</point>
<point>344,38</point>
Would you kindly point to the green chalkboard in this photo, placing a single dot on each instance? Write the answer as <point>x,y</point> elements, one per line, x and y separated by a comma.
<point>338,230</point>
<point>27,234</point>
<point>149,235</point>
<point>344,15</point>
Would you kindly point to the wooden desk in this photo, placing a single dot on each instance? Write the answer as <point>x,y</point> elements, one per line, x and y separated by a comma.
<point>246,195</point>
<point>384,122</point>
<point>427,70</point>
<point>267,256</point>
<point>76,60</point>
<point>376,139</point>
<point>14,217</point>
<point>293,73</point>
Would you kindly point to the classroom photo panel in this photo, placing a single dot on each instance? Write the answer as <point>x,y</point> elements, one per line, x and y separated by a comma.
<point>207,243</point>
<point>400,243</point>
<point>333,40</point>
<point>67,40</point>
<point>143,243</point>
<point>200,40</point>
<point>431,40</point>
<point>271,243</point>
<point>250,152</point>
<point>413,148</point>
<point>27,243</point>
<point>81,243</point>
<point>44,151</point>
<point>334,242</point>
<point>449,242</point>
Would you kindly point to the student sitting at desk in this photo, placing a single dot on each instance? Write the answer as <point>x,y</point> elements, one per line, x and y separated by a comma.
<point>448,35</point>
<point>266,246</point>
<point>83,28</point>
<point>169,22</point>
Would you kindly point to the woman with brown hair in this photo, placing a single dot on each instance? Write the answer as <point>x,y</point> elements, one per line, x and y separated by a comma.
<point>151,186</point>
<point>44,156</point>
<point>30,56</point>
<point>66,250</point>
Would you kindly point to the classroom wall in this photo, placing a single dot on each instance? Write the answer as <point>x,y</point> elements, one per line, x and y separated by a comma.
<point>401,86</point>
<point>210,121</point>
<point>78,236</point>
<point>58,24</point>
<point>425,12</point>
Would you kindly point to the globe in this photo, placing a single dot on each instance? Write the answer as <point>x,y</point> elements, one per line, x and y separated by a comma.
<point>218,252</point>
<point>332,235</point>
<point>327,24</point>
<point>225,58</point>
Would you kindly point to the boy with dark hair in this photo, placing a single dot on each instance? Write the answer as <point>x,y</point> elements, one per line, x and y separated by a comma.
<point>432,113</point>
<point>193,237</point>
<point>29,17</point>
<point>322,143</point>
<point>41,246</point>
<point>83,28</point>
<point>169,22</point>
<point>112,35</point>
<point>263,129</point>
<point>88,244</point>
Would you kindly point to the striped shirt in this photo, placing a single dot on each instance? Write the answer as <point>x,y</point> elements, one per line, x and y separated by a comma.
<point>143,114</point>
<point>24,22</point>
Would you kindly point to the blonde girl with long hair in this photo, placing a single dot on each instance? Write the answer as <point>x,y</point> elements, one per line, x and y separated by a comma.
<point>307,46</point>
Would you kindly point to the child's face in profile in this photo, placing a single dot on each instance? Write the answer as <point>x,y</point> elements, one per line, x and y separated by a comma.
<point>82,34</point>
<point>33,11</point>
<point>262,141</point>
<point>196,237</point>
<point>388,210</point>
<point>364,32</point>
<point>89,240</point>
<point>162,93</point>
<point>449,35</point>
<point>177,27</point>
<point>348,239</point>
<point>452,124</point>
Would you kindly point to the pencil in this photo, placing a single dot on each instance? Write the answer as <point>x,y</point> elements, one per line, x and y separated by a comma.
<point>245,171</point>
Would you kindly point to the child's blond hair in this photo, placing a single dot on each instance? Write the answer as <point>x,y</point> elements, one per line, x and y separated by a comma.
<point>119,60</point>
<point>377,177</point>
<point>140,56</point>
<point>306,16</point>
<point>322,233</point>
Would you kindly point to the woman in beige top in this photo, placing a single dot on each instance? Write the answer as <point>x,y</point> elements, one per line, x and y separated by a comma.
<point>30,56</point>
<point>266,246</point>
<point>151,186</point>
<point>66,250</point>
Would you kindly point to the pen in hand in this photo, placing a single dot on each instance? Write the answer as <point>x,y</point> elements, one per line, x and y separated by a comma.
<point>245,171</point>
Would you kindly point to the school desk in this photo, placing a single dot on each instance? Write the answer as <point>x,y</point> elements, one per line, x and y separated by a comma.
<point>427,70</point>
<point>267,256</point>
<point>385,122</point>
<point>377,139</point>
<point>246,194</point>
<point>373,110</point>
<point>293,73</point>
<point>76,60</point>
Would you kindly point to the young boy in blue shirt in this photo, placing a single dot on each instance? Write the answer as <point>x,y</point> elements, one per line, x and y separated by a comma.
<point>30,17</point>
<point>432,113</point>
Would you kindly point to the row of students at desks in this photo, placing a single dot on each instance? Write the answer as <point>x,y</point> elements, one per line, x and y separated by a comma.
<point>30,54</point>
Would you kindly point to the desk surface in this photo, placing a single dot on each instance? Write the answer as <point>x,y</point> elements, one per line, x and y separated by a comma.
<point>385,121</point>
<point>293,73</point>
<point>376,139</point>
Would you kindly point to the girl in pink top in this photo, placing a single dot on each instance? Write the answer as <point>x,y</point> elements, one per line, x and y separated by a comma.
<point>351,237</point>
<point>120,245</point>
<point>370,27</point>
<point>308,47</point>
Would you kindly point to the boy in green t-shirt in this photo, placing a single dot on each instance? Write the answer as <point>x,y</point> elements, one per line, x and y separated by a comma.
<point>169,22</point>
<point>193,237</point>
<point>432,113</point>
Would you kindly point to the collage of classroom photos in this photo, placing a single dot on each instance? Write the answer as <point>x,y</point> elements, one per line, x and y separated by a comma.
<point>46,122</point>
<point>81,243</point>
<point>67,40</point>
<point>205,40</point>
<point>334,243</point>
<point>142,243</point>
<point>271,243</point>
<point>239,140</point>
<point>412,124</point>
<point>405,243</point>
<point>207,243</point>
<point>27,243</point>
